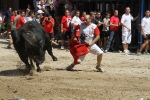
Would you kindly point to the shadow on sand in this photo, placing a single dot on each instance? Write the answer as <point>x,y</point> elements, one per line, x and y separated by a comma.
<point>14,72</point>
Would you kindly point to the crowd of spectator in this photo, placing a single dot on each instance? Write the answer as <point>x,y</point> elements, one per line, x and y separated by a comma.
<point>60,18</point>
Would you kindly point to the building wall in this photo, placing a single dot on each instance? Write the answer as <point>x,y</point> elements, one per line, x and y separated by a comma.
<point>14,4</point>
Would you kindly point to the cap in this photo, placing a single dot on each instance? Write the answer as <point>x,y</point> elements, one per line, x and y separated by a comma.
<point>40,12</point>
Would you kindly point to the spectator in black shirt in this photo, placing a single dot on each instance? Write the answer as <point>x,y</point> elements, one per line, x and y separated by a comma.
<point>7,20</point>
<point>93,14</point>
<point>99,23</point>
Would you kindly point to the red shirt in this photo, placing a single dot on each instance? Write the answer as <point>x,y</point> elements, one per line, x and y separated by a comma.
<point>12,18</point>
<point>66,21</point>
<point>114,20</point>
<point>20,22</point>
<point>82,18</point>
<point>48,26</point>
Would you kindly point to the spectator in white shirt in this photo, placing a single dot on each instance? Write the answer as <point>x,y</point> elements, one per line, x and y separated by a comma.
<point>40,6</point>
<point>126,29</point>
<point>1,20</point>
<point>76,21</point>
<point>145,27</point>
<point>30,16</point>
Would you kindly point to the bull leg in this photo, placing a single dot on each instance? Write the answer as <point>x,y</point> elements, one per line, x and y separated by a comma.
<point>31,63</point>
<point>49,48</point>
<point>51,53</point>
<point>24,58</point>
<point>38,67</point>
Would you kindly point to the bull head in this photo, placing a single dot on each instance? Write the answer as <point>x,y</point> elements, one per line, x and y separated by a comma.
<point>29,38</point>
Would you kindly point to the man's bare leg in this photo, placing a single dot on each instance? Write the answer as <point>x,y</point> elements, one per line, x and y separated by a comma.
<point>99,59</point>
<point>124,47</point>
<point>144,45</point>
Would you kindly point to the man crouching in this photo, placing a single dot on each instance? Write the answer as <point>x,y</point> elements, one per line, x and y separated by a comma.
<point>89,35</point>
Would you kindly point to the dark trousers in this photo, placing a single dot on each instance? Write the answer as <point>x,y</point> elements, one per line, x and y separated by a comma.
<point>113,35</point>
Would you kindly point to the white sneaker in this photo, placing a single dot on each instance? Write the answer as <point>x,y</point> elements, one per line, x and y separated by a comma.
<point>100,69</point>
<point>62,48</point>
<point>128,51</point>
<point>120,51</point>
<point>105,51</point>
<point>125,51</point>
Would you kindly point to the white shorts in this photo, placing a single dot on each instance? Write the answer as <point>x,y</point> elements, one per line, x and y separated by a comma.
<point>126,37</point>
<point>94,49</point>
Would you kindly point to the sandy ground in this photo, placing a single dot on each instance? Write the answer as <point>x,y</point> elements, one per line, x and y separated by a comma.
<point>123,79</point>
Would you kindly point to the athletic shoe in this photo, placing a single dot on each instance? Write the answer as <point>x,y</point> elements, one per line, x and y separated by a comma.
<point>1,35</point>
<point>70,67</point>
<point>62,47</point>
<point>120,51</point>
<point>105,51</point>
<point>8,47</point>
<point>128,51</point>
<point>100,69</point>
<point>146,53</point>
<point>102,49</point>
<point>139,53</point>
<point>125,51</point>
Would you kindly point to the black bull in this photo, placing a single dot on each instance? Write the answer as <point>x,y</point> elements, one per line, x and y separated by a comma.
<point>31,41</point>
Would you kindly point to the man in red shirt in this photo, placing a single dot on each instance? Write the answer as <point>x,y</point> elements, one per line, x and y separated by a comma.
<point>48,23</point>
<point>21,20</point>
<point>114,25</point>
<point>13,17</point>
<point>65,28</point>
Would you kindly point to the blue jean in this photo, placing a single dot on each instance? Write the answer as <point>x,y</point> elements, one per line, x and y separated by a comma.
<point>111,36</point>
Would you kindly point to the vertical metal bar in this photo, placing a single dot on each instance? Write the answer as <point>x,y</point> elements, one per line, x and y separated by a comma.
<point>103,6</point>
<point>89,6</point>
<point>148,4</point>
<point>142,2</point>
<point>83,5</point>
<point>96,5</point>
<point>132,9</point>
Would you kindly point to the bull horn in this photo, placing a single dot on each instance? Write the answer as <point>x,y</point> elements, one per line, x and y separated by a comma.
<point>55,43</point>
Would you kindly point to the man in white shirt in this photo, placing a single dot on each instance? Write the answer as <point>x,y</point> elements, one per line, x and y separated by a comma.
<point>1,20</point>
<point>126,29</point>
<point>30,16</point>
<point>145,27</point>
<point>89,30</point>
<point>41,6</point>
<point>76,20</point>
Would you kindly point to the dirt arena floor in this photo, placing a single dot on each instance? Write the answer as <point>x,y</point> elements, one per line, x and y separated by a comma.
<point>125,78</point>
